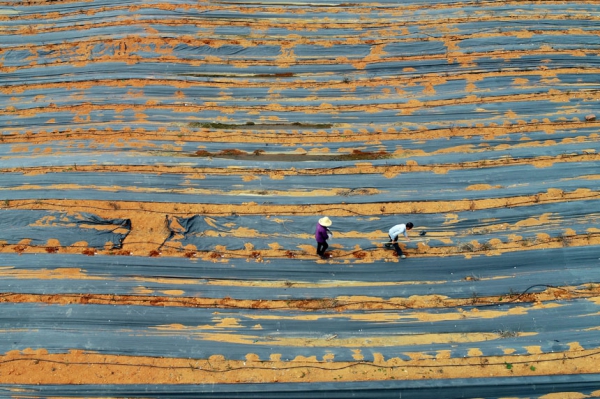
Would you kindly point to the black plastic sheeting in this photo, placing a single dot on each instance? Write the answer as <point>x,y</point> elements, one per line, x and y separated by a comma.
<point>455,115</point>
<point>434,151</point>
<point>320,189</point>
<point>496,39</point>
<point>452,276</point>
<point>491,388</point>
<point>38,227</point>
<point>200,333</point>
<point>431,152</point>
<point>209,233</point>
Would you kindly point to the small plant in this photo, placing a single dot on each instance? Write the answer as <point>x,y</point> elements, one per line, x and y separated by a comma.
<point>472,206</point>
<point>358,155</point>
<point>482,231</point>
<point>527,242</point>
<point>564,239</point>
<point>313,125</point>
<point>468,247</point>
<point>327,303</point>
<point>52,250</point>
<point>508,366</point>
<point>6,203</point>
<point>507,334</point>
<point>89,252</point>
<point>202,153</point>
<point>532,368</point>
<point>231,152</point>
<point>486,246</point>
<point>212,125</point>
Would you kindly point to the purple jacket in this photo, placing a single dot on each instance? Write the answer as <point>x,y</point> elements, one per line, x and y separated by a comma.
<point>321,233</point>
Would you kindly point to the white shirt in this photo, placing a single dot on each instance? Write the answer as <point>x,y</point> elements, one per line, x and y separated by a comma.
<point>397,230</point>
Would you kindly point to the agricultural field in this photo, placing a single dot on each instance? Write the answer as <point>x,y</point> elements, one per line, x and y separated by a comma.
<point>163,166</point>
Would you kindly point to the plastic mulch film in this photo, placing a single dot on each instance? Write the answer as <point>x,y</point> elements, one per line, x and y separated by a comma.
<point>50,228</point>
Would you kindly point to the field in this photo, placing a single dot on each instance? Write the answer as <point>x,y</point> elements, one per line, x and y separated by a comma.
<point>163,165</point>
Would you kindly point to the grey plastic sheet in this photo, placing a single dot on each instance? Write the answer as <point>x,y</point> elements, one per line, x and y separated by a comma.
<point>419,49</point>
<point>536,387</point>
<point>461,115</point>
<point>167,331</point>
<point>284,279</point>
<point>432,152</point>
<point>235,232</point>
<point>321,189</point>
<point>41,227</point>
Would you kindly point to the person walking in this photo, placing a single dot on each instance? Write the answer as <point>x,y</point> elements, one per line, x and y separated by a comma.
<point>322,234</point>
<point>394,233</point>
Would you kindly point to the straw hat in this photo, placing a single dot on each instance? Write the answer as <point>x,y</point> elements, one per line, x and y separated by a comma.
<point>325,221</point>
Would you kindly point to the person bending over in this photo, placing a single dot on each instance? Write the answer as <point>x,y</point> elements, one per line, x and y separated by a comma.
<point>394,233</point>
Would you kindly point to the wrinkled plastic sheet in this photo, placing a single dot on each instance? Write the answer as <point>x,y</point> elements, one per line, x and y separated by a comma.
<point>40,227</point>
<point>351,233</point>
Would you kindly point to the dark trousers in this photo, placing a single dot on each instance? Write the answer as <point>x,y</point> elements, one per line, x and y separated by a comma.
<point>321,248</point>
<point>395,245</point>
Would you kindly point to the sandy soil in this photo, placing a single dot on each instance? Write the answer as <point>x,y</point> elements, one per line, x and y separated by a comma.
<point>79,367</point>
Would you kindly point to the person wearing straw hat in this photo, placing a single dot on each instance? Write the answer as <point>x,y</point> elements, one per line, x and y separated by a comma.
<point>394,233</point>
<point>322,234</point>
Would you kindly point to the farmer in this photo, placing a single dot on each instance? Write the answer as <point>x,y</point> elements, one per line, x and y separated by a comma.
<point>394,233</point>
<point>322,234</point>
